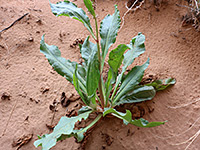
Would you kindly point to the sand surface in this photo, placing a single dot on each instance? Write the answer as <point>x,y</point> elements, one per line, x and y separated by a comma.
<point>32,85</point>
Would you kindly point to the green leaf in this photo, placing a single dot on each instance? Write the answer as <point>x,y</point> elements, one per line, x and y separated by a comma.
<point>115,60</point>
<point>81,71</point>
<point>79,134</point>
<point>139,94</point>
<point>109,82</point>
<point>64,127</point>
<point>116,57</point>
<point>108,32</point>
<point>144,123</point>
<point>77,87</point>
<point>136,47</point>
<point>87,50</point>
<point>93,75</point>
<point>84,109</point>
<point>160,85</point>
<point>62,66</point>
<point>89,6</point>
<point>67,8</point>
<point>132,79</point>
<point>127,118</point>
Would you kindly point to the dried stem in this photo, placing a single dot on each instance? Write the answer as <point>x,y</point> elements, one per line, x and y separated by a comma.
<point>127,12</point>
<point>11,113</point>
<point>129,9</point>
<point>184,105</point>
<point>197,7</point>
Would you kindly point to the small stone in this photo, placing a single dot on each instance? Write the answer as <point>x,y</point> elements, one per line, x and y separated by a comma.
<point>39,21</point>
<point>31,39</point>
<point>5,96</point>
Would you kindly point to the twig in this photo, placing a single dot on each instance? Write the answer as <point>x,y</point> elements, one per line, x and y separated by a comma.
<point>14,23</point>
<point>191,138</point>
<point>196,3</point>
<point>4,131</point>
<point>127,12</point>
<point>184,105</point>
<point>167,137</point>
<point>196,135</point>
<point>185,6</point>
<point>53,117</point>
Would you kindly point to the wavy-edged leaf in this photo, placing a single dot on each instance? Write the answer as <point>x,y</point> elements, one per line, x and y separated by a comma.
<point>116,57</point>
<point>87,50</point>
<point>162,84</point>
<point>79,134</point>
<point>108,32</point>
<point>139,94</point>
<point>132,79</point>
<point>88,4</point>
<point>136,47</point>
<point>127,118</point>
<point>62,66</point>
<point>64,127</point>
<point>67,8</point>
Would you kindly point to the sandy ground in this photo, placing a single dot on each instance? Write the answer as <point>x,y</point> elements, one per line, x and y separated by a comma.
<point>27,77</point>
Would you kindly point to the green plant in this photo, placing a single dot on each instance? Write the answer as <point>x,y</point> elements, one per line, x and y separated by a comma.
<point>119,88</point>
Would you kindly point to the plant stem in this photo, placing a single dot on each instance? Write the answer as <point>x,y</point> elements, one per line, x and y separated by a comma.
<point>99,57</point>
<point>93,36</point>
<point>90,125</point>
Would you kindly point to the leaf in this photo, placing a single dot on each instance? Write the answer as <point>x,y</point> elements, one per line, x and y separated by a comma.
<point>79,134</point>
<point>115,60</point>
<point>67,8</point>
<point>81,71</point>
<point>116,57</point>
<point>89,6</point>
<point>87,50</point>
<point>64,127</point>
<point>136,48</point>
<point>127,118</point>
<point>62,66</point>
<point>139,94</point>
<point>77,87</point>
<point>109,82</point>
<point>160,85</point>
<point>93,75</point>
<point>84,109</point>
<point>132,79</point>
<point>144,123</point>
<point>108,32</point>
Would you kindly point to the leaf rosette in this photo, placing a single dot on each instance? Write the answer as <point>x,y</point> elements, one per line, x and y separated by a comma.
<point>101,96</point>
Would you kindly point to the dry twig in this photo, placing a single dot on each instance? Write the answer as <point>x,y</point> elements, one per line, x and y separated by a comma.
<point>129,9</point>
<point>11,113</point>
<point>14,23</point>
